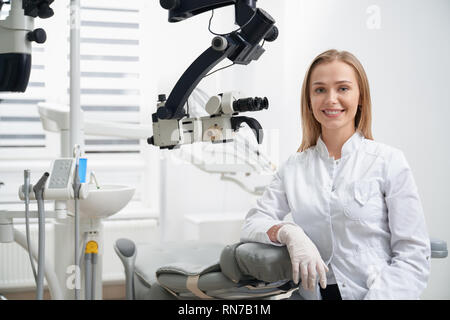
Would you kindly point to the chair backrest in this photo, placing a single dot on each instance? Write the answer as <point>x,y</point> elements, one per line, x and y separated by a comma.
<point>438,248</point>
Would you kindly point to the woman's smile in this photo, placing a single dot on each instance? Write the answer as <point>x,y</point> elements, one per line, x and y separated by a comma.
<point>333,113</point>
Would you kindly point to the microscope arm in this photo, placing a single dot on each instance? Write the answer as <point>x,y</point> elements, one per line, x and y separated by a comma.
<point>181,10</point>
<point>240,46</point>
<point>174,107</point>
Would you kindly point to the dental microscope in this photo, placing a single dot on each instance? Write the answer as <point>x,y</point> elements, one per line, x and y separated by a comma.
<point>172,124</point>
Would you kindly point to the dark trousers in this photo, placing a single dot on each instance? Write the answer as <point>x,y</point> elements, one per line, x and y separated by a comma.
<point>331,292</point>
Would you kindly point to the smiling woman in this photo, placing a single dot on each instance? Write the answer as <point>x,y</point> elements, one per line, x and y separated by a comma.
<point>358,227</point>
<point>335,93</point>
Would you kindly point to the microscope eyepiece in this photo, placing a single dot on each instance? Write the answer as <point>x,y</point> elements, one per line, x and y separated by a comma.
<point>272,35</point>
<point>250,104</point>
<point>44,10</point>
<point>38,8</point>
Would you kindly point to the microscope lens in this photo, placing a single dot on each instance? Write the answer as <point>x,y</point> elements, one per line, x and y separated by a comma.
<point>250,104</point>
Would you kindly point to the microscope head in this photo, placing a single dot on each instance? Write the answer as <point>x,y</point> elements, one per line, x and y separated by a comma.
<point>255,24</point>
<point>38,8</point>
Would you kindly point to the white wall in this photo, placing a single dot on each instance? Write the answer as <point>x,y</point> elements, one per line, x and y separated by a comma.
<point>407,63</point>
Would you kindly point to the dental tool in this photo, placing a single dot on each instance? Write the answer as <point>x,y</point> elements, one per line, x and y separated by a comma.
<point>27,187</point>
<point>39,194</point>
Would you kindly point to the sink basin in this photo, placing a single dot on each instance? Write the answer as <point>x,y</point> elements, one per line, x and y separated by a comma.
<point>103,202</point>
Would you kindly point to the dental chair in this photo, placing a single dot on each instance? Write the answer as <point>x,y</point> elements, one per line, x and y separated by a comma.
<point>196,270</point>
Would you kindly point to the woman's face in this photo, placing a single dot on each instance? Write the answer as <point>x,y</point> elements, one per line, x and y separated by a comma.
<point>334,93</point>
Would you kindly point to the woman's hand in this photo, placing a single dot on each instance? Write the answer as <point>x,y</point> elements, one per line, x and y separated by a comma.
<point>304,256</point>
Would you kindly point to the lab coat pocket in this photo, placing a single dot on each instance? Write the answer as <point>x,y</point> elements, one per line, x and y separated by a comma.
<point>361,191</point>
<point>364,201</point>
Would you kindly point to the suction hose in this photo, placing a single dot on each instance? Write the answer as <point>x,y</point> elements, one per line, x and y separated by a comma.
<point>39,193</point>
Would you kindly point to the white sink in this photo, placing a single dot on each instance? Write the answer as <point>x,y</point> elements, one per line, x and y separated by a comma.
<point>103,202</point>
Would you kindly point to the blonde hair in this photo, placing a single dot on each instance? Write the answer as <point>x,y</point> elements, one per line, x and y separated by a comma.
<point>363,120</point>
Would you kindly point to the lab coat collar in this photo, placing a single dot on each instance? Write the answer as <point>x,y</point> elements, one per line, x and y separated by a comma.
<point>350,146</point>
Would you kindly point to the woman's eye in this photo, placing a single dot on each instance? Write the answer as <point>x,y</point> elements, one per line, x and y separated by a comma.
<point>319,90</point>
<point>343,89</point>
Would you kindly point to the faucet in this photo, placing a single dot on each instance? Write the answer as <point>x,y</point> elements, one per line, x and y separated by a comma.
<point>93,178</point>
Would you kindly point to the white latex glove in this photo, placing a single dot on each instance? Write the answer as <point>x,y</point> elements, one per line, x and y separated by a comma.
<point>304,256</point>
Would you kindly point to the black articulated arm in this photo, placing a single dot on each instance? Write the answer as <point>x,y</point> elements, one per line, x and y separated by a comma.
<point>189,80</point>
<point>180,10</point>
<point>240,46</point>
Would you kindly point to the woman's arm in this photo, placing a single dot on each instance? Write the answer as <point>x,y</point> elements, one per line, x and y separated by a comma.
<point>265,224</point>
<point>407,275</point>
<point>269,211</point>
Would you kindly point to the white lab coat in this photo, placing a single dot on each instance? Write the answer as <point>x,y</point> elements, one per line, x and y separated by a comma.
<point>363,213</point>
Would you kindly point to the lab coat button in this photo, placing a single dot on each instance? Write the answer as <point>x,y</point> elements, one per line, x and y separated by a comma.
<point>333,188</point>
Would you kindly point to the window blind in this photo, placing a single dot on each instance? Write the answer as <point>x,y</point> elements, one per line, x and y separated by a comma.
<point>110,69</point>
<point>112,78</point>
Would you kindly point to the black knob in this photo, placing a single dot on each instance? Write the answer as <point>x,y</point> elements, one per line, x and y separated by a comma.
<point>38,35</point>
<point>169,4</point>
<point>151,140</point>
<point>161,97</point>
<point>272,35</point>
<point>219,43</point>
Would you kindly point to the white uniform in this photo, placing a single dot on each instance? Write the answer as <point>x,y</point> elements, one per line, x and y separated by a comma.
<point>363,213</point>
